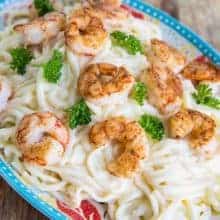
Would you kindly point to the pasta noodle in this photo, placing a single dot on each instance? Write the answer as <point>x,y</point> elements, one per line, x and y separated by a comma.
<point>172,183</point>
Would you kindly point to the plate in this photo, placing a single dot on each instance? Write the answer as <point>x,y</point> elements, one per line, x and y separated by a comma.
<point>173,32</point>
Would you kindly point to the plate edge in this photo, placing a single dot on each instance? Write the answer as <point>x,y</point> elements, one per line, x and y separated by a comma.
<point>7,173</point>
<point>183,30</point>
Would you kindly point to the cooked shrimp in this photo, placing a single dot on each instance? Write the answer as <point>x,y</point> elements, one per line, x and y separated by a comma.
<point>199,128</point>
<point>42,29</point>
<point>200,71</point>
<point>131,139</point>
<point>85,33</point>
<point>42,138</point>
<point>115,19</point>
<point>107,9</point>
<point>181,124</point>
<point>108,4</point>
<point>103,80</point>
<point>164,89</point>
<point>5,93</point>
<point>161,52</point>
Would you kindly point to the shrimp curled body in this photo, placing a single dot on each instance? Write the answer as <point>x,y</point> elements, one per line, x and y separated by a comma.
<point>200,71</point>
<point>42,29</point>
<point>102,80</point>
<point>165,89</point>
<point>166,55</point>
<point>131,139</point>
<point>5,93</point>
<point>106,4</point>
<point>42,138</point>
<point>106,9</point>
<point>85,33</point>
<point>199,128</point>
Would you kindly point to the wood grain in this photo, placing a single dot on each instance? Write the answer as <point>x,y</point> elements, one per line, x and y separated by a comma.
<point>202,16</point>
<point>13,207</point>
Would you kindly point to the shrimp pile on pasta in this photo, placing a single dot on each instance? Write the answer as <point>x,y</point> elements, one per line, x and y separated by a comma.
<point>94,104</point>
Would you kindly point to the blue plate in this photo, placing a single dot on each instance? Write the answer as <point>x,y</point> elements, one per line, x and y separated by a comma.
<point>173,32</point>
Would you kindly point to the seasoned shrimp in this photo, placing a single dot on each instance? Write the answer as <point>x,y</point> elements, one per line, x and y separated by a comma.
<point>161,52</point>
<point>131,139</point>
<point>164,88</point>
<point>42,138</point>
<point>200,71</point>
<point>199,128</point>
<point>107,9</point>
<point>85,33</point>
<point>103,80</point>
<point>108,4</point>
<point>181,124</point>
<point>42,29</point>
<point>5,93</point>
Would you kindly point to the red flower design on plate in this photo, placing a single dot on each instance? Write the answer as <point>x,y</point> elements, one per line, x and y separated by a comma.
<point>88,210</point>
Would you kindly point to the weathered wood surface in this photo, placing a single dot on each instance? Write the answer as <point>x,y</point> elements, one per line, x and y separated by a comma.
<point>202,16</point>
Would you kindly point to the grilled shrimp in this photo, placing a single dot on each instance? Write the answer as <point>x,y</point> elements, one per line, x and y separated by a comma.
<point>131,139</point>
<point>42,138</point>
<point>108,4</point>
<point>85,33</point>
<point>199,128</point>
<point>164,89</point>
<point>103,80</point>
<point>200,71</point>
<point>42,29</point>
<point>161,52</point>
<point>107,9</point>
<point>5,93</point>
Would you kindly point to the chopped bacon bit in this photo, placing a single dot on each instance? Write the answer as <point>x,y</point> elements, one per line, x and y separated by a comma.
<point>203,59</point>
<point>133,12</point>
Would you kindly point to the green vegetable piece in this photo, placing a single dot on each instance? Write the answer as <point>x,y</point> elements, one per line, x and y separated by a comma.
<point>43,7</point>
<point>52,69</point>
<point>153,126</point>
<point>21,57</point>
<point>139,93</point>
<point>204,96</point>
<point>129,42</point>
<point>79,114</point>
